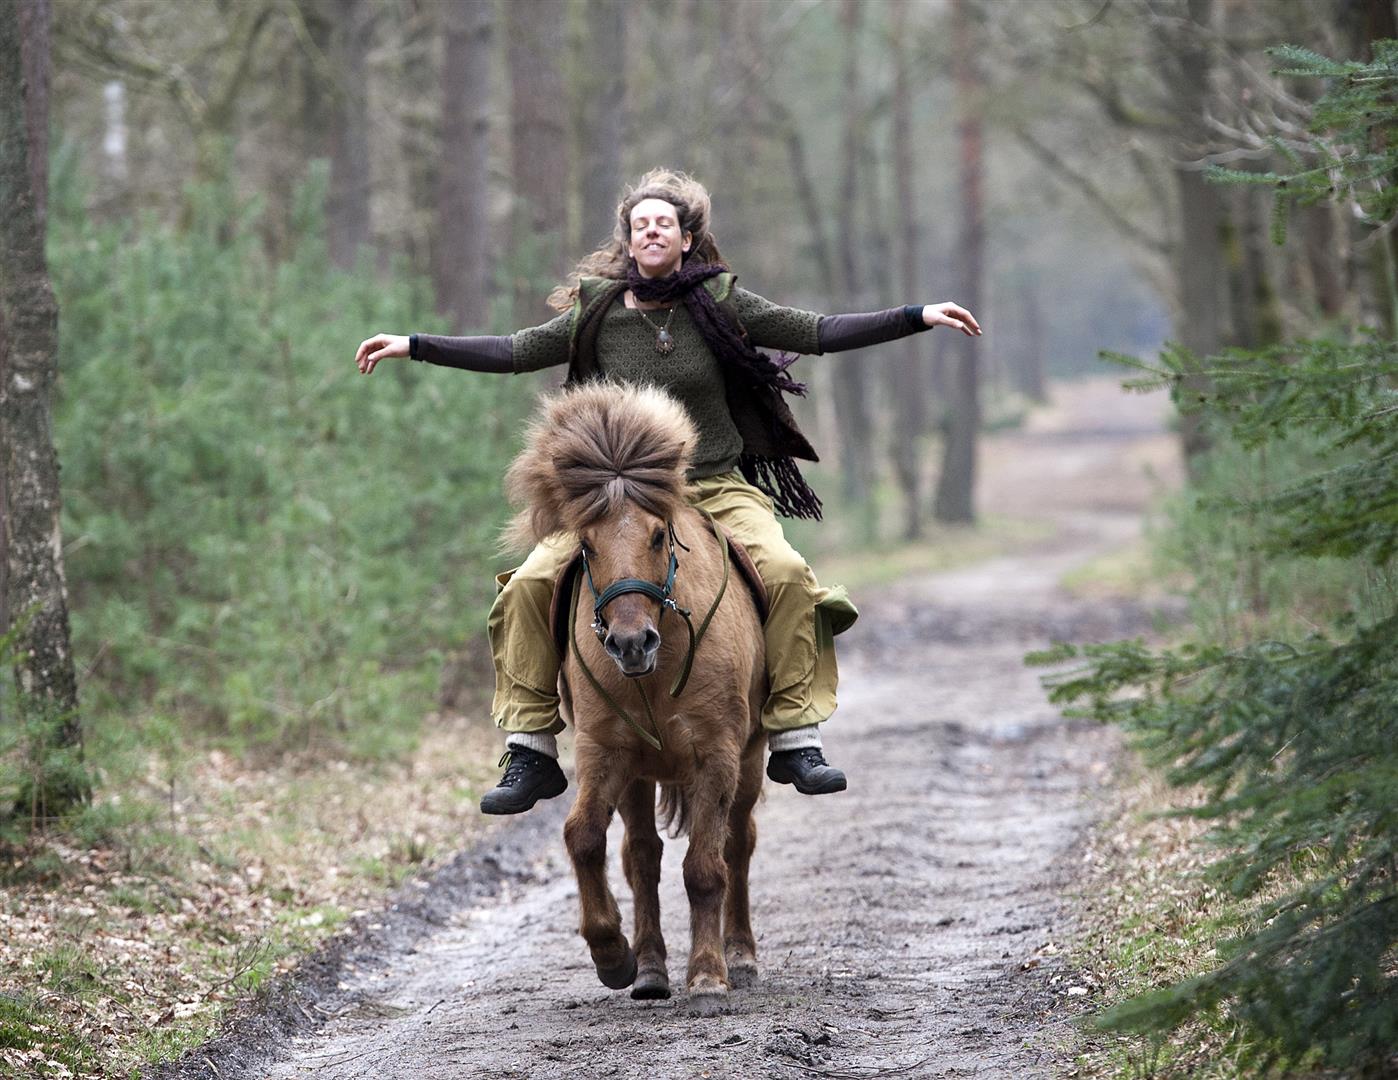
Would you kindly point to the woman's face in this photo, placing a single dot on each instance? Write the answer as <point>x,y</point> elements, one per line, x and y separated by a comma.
<point>657,244</point>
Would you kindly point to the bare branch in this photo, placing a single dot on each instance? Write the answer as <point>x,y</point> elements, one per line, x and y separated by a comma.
<point>242,41</point>
<point>1080,181</point>
<point>102,42</point>
<point>1106,6</point>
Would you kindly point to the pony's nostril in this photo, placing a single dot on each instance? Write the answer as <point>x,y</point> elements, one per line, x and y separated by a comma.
<point>613,649</point>
<point>650,642</point>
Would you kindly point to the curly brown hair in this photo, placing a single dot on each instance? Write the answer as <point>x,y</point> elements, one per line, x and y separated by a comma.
<point>692,206</point>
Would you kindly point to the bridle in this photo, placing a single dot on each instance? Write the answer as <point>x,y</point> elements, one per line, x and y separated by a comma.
<point>664,593</point>
<point>622,586</point>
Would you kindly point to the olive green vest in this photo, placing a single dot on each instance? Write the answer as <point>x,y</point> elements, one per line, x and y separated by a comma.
<point>761,416</point>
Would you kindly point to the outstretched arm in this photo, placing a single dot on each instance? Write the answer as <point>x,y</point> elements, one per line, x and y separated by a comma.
<point>527,350</point>
<point>837,333</point>
<point>777,327</point>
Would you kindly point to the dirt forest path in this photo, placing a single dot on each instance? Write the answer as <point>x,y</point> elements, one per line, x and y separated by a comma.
<point>894,920</point>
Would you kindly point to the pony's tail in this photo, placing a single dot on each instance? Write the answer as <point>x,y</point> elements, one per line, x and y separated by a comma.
<point>673,810</point>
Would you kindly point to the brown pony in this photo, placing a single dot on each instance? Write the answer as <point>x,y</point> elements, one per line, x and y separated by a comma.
<point>607,463</point>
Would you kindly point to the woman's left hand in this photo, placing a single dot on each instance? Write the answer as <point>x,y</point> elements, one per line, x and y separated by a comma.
<point>953,315</point>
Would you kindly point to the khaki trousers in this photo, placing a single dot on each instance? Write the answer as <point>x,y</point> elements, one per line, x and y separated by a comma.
<point>800,629</point>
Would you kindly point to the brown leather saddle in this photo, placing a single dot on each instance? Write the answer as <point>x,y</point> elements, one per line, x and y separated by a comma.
<point>563,588</point>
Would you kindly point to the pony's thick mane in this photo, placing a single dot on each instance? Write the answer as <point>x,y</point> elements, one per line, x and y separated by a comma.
<point>592,448</point>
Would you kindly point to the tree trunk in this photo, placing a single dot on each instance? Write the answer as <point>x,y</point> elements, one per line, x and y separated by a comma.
<point>347,208</point>
<point>539,152</point>
<point>463,194</point>
<point>1255,319</point>
<point>850,369</point>
<point>955,499</point>
<point>1029,365</point>
<point>1361,23</point>
<point>419,147</point>
<point>1325,258</point>
<point>1202,288</point>
<point>604,119</point>
<point>35,594</point>
<point>741,90</point>
<point>906,391</point>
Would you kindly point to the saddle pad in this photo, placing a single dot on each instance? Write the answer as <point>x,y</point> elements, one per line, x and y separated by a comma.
<point>741,567</point>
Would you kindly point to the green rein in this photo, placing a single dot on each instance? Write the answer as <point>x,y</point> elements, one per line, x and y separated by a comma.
<point>664,594</point>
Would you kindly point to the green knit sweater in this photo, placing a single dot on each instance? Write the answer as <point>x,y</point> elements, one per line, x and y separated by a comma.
<point>690,374</point>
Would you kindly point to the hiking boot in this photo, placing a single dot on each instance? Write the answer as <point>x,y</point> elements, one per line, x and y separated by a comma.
<point>529,777</point>
<point>807,769</point>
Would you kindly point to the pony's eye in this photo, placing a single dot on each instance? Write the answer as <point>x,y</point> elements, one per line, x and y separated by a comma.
<point>657,539</point>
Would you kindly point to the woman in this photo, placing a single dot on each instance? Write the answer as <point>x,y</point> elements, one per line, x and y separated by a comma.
<point>657,305</point>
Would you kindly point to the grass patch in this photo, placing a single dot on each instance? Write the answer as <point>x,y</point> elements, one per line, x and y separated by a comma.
<point>942,548</point>
<point>33,1045</point>
<point>126,935</point>
<point>1131,570</point>
<point>1149,918</point>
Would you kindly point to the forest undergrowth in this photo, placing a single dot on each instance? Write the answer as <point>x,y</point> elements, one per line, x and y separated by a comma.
<point>1253,930</point>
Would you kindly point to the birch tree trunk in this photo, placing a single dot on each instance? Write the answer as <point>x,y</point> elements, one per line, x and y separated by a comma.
<point>35,594</point>
<point>463,193</point>
<point>955,499</point>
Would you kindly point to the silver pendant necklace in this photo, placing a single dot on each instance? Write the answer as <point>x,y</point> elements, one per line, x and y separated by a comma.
<point>664,343</point>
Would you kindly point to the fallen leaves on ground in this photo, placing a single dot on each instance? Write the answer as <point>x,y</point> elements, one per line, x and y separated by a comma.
<point>129,950</point>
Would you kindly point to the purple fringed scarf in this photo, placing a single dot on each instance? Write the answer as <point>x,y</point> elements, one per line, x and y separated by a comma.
<point>778,477</point>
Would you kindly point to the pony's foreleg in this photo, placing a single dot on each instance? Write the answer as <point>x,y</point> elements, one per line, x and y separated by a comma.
<point>585,835</point>
<point>739,945</point>
<point>705,879</point>
<point>640,860</point>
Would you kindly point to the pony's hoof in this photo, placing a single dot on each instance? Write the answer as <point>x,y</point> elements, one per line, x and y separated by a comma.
<point>707,1002</point>
<point>621,976</point>
<point>651,984</point>
<point>742,974</point>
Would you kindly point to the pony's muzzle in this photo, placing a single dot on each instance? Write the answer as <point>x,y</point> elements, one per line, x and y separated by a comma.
<point>633,650</point>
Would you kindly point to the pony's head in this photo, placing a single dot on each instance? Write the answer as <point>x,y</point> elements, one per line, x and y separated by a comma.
<point>607,463</point>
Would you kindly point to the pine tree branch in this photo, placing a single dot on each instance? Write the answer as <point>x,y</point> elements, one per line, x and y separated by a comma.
<point>1079,180</point>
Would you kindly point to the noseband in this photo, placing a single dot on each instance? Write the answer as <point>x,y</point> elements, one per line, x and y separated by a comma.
<point>664,593</point>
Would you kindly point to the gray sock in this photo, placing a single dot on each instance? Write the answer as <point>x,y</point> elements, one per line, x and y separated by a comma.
<point>794,738</point>
<point>541,742</point>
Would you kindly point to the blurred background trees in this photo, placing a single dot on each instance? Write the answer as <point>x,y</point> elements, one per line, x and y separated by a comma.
<point>265,546</point>
<point>268,554</point>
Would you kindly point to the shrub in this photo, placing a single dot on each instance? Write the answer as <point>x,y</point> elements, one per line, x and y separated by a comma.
<point>1294,734</point>
<point>261,544</point>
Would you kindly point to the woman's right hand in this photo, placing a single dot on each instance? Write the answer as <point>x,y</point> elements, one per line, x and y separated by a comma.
<point>379,347</point>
